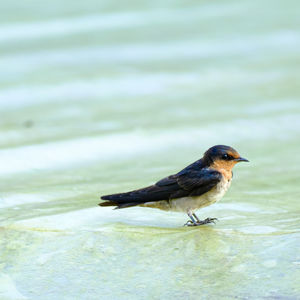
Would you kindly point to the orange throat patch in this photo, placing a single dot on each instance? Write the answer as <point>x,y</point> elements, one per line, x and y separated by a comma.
<point>224,167</point>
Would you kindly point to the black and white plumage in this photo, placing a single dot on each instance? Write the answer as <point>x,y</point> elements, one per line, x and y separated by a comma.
<point>198,185</point>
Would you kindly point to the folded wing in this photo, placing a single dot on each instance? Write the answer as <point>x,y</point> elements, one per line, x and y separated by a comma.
<point>183,184</point>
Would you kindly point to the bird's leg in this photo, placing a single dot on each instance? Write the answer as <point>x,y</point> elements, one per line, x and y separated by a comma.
<point>198,222</point>
<point>191,222</point>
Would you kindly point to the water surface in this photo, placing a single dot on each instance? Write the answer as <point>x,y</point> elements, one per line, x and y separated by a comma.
<point>97,98</point>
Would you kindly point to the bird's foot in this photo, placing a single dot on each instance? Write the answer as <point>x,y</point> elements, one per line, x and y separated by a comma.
<point>200,222</point>
<point>189,223</point>
<point>207,221</point>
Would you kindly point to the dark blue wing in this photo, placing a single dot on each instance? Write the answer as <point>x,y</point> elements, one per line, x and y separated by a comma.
<point>188,182</point>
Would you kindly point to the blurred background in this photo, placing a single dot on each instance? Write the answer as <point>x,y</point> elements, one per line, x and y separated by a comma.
<point>99,97</point>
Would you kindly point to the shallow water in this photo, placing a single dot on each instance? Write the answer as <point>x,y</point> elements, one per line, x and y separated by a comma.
<point>105,97</point>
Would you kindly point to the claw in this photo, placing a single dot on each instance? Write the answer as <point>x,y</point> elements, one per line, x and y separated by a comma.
<point>199,222</point>
<point>208,220</point>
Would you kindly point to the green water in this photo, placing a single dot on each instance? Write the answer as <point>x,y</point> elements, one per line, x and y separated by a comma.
<point>99,97</point>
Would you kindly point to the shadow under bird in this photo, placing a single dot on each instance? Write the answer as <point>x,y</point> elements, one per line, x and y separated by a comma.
<point>200,184</point>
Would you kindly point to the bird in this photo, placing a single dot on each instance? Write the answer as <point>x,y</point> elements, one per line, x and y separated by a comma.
<point>198,185</point>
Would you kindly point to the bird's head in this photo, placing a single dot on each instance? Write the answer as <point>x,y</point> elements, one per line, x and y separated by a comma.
<point>223,157</point>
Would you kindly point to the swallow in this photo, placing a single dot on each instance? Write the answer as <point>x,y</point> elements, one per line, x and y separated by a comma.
<point>200,184</point>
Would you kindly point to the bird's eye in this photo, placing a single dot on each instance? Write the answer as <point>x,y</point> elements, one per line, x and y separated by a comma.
<point>226,156</point>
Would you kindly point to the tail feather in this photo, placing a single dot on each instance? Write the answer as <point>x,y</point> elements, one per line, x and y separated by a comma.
<point>108,203</point>
<point>140,196</point>
<point>118,205</point>
<point>119,201</point>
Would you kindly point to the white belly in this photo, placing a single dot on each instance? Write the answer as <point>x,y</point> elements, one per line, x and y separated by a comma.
<point>193,203</point>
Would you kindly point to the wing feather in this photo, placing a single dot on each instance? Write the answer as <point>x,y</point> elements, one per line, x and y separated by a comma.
<point>188,182</point>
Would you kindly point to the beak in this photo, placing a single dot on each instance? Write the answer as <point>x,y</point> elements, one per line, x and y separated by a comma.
<point>241,159</point>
